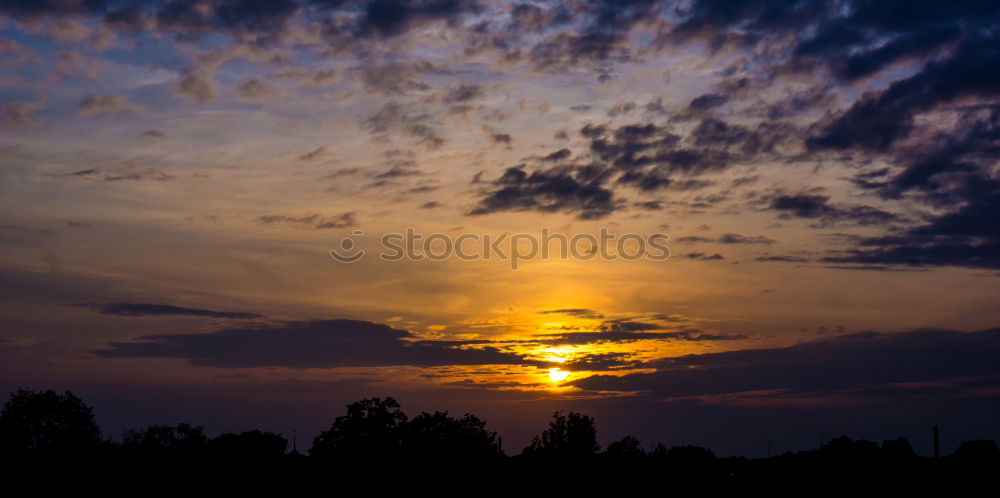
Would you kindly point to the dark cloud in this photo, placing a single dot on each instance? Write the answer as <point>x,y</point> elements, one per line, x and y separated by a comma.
<point>255,89</point>
<point>36,9</point>
<point>781,259</point>
<point>649,205</point>
<point>700,106</point>
<point>735,238</point>
<point>870,36</point>
<point>191,19</point>
<point>501,138</point>
<point>694,238</point>
<point>313,155</point>
<point>800,102</point>
<point>106,103</point>
<point>578,312</point>
<point>404,119</point>
<point>95,174</point>
<point>254,15</point>
<point>310,221</point>
<point>569,189</point>
<point>707,101</point>
<point>565,50</point>
<point>628,325</point>
<point>559,155</point>
<point>650,157</point>
<point>532,17</point>
<point>145,309</point>
<point>197,87</point>
<point>704,257</point>
<point>153,134</point>
<point>18,114</point>
<point>393,17</point>
<point>632,336</point>
<point>879,119</point>
<point>818,207</point>
<point>853,364</point>
<point>397,77</point>
<point>621,108</point>
<point>969,236</point>
<point>463,93</point>
<point>307,344</point>
<point>601,361</point>
<point>399,169</point>
<point>764,138</point>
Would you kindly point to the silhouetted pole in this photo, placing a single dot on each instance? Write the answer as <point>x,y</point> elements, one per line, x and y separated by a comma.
<point>769,449</point>
<point>295,447</point>
<point>937,443</point>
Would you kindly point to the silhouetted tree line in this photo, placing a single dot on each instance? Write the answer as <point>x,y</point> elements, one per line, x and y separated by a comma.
<point>50,444</point>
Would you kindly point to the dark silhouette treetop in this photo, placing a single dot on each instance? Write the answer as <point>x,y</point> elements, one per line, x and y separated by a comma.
<point>368,430</point>
<point>897,449</point>
<point>572,435</point>
<point>626,447</point>
<point>843,451</point>
<point>252,445</point>
<point>438,435</point>
<point>979,449</point>
<point>690,456</point>
<point>165,441</point>
<point>47,423</point>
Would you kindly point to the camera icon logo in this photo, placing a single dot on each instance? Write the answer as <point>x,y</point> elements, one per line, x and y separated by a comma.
<point>347,252</point>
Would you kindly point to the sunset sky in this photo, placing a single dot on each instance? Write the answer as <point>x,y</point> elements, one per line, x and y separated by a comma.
<point>174,174</point>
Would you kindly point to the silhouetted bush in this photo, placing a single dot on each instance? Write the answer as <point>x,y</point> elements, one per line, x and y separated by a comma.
<point>47,424</point>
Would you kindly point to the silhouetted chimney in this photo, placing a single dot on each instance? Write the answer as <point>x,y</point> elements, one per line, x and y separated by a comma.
<point>937,443</point>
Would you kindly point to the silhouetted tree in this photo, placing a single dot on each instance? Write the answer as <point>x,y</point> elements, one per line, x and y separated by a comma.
<point>897,449</point>
<point>165,441</point>
<point>627,447</point>
<point>572,435</point>
<point>46,424</point>
<point>844,452</point>
<point>252,446</point>
<point>980,450</point>
<point>370,429</point>
<point>438,435</point>
<point>690,455</point>
<point>658,451</point>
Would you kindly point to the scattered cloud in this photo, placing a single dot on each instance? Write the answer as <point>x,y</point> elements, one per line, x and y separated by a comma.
<point>107,103</point>
<point>307,344</point>
<point>146,309</point>
<point>310,221</point>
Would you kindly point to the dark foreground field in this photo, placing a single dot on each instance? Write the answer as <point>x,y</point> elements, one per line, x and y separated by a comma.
<point>51,446</point>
